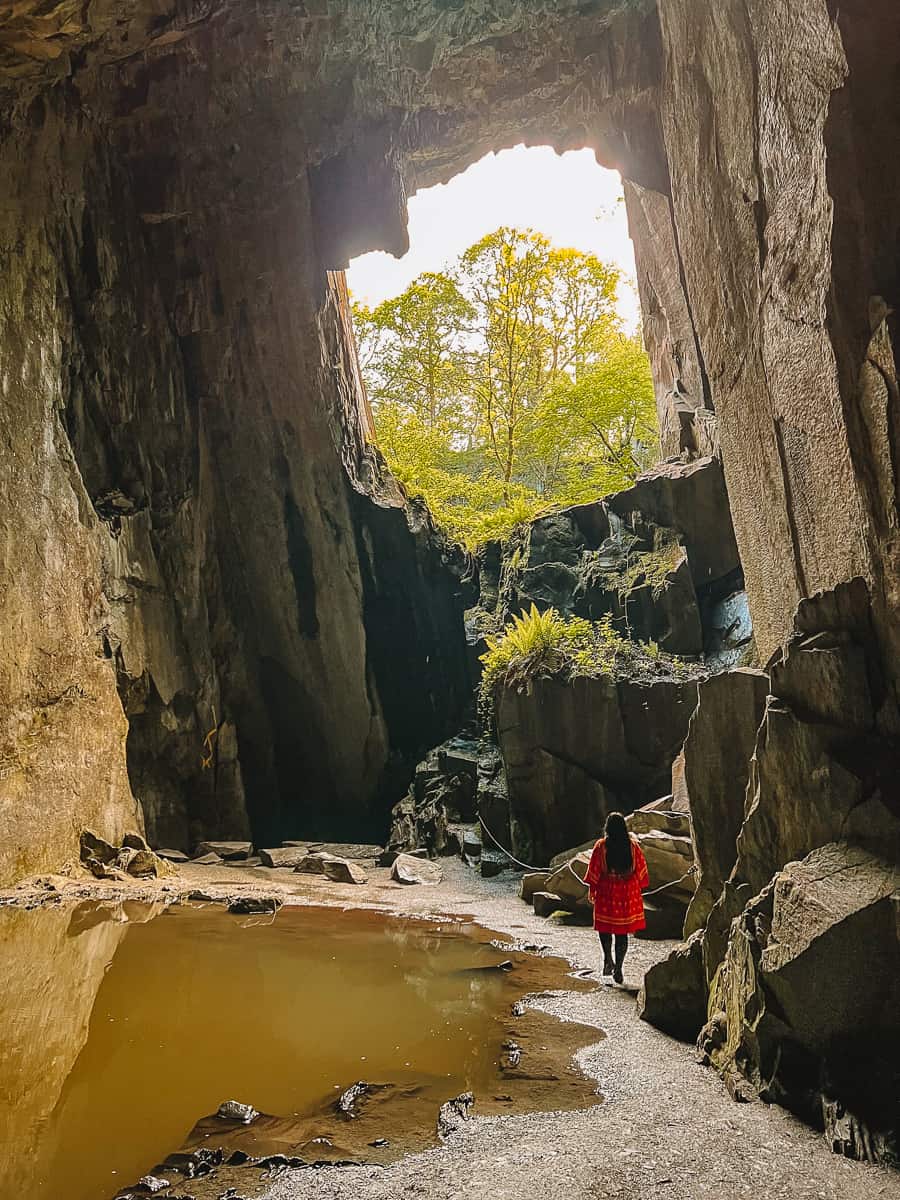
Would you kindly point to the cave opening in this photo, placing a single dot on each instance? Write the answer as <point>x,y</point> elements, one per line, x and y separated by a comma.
<point>501,354</point>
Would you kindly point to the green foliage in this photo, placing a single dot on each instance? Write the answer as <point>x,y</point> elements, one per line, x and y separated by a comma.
<point>505,387</point>
<point>545,643</point>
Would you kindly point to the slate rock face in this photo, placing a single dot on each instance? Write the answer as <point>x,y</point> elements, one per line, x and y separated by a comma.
<point>795,961</point>
<point>575,751</point>
<point>659,559</point>
<point>717,752</point>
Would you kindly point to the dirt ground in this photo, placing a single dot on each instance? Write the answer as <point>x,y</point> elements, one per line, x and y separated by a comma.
<point>667,1128</point>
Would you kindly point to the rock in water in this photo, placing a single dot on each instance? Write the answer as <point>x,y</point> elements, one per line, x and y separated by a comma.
<point>245,905</point>
<point>407,869</point>
<point>454,1114</point>
<point>340,870</point>
<point>153,1184</point>
<point>234,1110</point>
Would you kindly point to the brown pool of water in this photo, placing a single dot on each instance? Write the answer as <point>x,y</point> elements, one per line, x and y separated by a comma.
<point>124,1027</point>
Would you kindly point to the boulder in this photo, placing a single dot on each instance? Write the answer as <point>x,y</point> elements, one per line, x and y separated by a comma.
<point>670,861</point>
<point>717,753</point>
<point>531,882</point>
<point>567,882</point>
<point>313,864</point>
<point>673,994</point>
<point>547,903</point>
<point>355,851</point>
<point>690,498</point>
<point>804,1005</point>
<point>135,841</point>
<point>144,864</point>
<point>174,856</point>
<point>407,869</point>
<point>283,856</point>
<point>660,816</point>
<point>207,860</point>
<point>492,864</point>
<point>665,922</point>
<point>95,847</point>
<point>225,850</point>
<point>574,750</point>
<point>341,870</point>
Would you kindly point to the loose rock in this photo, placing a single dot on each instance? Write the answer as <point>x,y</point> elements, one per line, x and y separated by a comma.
<point>340,870</point>
<point>407,869</point>
<point>234,1110</point>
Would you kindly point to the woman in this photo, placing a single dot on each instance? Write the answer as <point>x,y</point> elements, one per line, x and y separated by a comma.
<point>615,877</point>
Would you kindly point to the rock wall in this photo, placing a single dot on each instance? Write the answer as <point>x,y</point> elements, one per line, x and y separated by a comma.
<point>195,536</point>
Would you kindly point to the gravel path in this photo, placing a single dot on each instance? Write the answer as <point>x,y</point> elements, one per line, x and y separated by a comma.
<point>668,1129</point>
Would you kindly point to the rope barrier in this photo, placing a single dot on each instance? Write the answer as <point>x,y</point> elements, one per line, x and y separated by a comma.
<point>692,870</point>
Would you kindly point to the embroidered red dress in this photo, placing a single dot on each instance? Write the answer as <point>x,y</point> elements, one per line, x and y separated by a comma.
<point>618,904</point>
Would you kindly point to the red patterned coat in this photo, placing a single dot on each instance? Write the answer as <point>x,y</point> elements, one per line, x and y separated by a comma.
<point>618,905</point>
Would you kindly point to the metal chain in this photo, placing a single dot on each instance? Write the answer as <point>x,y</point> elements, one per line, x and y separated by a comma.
<point>692,870</point>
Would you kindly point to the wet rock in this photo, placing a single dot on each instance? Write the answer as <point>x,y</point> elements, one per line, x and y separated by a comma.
<point>225,850</point>
<point>97,848</point>
<point>547,903</point>
<point>454,1114</point>
<point>195,1163</point>
<point>153,1184</point>
<point>340,870</point>
<point>207,860</point>
<point>511,1056</point>
<point>349,1103</point>
<point>673,994</point>
<point>246,905</point>
<point>407,869</point>
<point>531,882</point>
<point>234,1110</point>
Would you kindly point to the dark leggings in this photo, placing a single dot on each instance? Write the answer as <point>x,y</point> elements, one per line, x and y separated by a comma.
<point>621,947</point>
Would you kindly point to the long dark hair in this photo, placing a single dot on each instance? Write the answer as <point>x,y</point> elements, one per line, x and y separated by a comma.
<point>618,845</point>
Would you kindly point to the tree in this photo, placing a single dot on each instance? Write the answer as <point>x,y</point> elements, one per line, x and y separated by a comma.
<point>506,385</point>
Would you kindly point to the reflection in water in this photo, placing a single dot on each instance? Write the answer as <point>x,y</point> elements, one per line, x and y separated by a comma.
<point>121,1031</point>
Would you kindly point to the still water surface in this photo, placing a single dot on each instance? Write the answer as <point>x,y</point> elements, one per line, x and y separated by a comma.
<point>123,1026</point>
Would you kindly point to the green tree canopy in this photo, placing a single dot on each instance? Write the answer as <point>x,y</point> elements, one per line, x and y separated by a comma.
<point>505,385</point>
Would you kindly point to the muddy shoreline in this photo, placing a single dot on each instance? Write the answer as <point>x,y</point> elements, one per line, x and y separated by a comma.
<point>666,1127</point>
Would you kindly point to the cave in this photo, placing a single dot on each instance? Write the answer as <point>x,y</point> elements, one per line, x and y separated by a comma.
<point>221,617</point>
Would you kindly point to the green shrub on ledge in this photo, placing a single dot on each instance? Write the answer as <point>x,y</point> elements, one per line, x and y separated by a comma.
<point>545,643</point>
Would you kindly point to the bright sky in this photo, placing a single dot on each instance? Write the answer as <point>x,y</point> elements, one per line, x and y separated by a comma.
<point>568,197</point>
